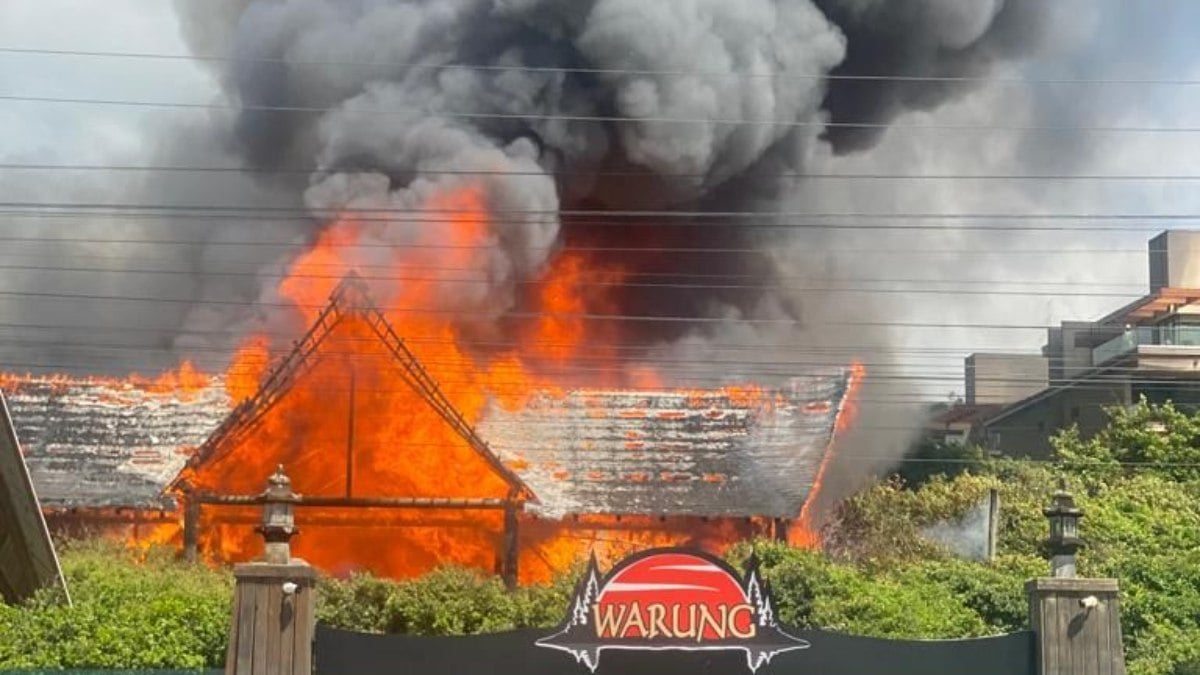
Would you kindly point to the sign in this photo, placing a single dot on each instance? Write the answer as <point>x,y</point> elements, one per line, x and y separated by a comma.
<point>672,599</point>
<point>669,612</point>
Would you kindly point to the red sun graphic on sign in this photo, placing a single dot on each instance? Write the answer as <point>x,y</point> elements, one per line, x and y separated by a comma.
<point>671,599</point>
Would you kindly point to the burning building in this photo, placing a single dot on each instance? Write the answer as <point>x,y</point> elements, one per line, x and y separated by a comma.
<point>579,226</point>
<point>584,227</point>
<point>404,467</point>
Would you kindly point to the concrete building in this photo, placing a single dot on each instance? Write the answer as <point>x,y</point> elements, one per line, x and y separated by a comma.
<point>1149,348</point>
<point>1004,378</point>
<point>993,381</point>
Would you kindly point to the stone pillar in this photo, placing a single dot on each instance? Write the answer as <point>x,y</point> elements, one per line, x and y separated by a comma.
<point>1078,626</point>
<point>273,610</point>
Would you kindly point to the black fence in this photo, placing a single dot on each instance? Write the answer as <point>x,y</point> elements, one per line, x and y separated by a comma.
<point>515,653</point>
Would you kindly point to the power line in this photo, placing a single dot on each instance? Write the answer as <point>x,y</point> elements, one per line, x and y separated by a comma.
<point>670,367</point>
<point>847,351</point>
<point>1104,377</point>
<point>691,219</point>
<point>418,65</point>
<point>534,388</point>
<point>819,124</point>
<point>698,250</point>
<point>597,284</point>
<point>611,173</point>
<point>542,383</point>
<point>553,248</point>
<point>511,315</point>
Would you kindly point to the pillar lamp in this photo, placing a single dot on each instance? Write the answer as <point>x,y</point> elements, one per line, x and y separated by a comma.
<point>279,519</point>
<point>1064,540</point>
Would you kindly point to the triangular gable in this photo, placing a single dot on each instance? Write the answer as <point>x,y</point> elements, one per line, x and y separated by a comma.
<point>350,300</point>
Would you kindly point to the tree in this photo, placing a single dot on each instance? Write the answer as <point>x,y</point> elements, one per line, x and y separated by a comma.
<point>1143,437</point>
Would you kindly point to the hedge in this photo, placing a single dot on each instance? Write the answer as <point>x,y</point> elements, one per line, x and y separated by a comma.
<point>877,576</point>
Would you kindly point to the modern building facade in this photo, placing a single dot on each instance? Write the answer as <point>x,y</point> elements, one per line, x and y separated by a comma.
<point>1149,348</point>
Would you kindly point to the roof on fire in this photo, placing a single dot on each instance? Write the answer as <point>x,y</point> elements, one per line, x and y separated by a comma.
<point>719,452</point>
<point>96,443</point>
<point>710,452</point>
<point>101,444</point>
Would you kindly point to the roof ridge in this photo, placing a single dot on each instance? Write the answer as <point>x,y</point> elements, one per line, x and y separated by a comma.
<point>351,297</point>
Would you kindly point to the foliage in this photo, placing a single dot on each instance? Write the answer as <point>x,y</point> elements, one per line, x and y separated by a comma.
<point>994,592</point>
<point>448,601</point>
<point>928,459</point>
<point>127,611</point>
<point>1138,483</point>
<point>1158,435</point>
<point>883,523</point>
<point>357,603</point>
<point>878,576</point>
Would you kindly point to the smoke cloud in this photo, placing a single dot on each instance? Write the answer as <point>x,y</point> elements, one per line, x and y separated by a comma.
<point>553,108</point>
<point>605,106</point>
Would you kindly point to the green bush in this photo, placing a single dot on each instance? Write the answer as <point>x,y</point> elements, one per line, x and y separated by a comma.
<point>127,612</point>
<point>878,576</point>
<point>357,603</point>
<point>994,591</point>
<point>928,459</point>
<point>449,601</point>
<point>813,592</point>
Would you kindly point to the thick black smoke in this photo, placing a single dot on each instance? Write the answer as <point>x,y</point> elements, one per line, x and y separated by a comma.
<point>602,106</point>
<point>891,45</point>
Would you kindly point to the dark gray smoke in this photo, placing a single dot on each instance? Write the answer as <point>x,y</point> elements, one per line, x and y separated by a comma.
<point>601,106</point>
<point>557,107</point>
<point>920,39</point>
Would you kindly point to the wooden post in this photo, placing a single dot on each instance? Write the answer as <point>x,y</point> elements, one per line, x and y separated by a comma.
<point>1078,626</point>
<point>511,553</point>
<point>273,620</point>
<point>191,528</point>
<point>273,615</point>
<point>779,525</point>
<point>993,532</point>
<point>1077,621</point>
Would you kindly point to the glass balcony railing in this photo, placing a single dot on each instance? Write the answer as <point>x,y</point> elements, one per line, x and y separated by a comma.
<point>1187,336</point>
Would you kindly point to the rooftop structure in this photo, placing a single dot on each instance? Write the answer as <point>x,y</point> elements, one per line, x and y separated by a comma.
<point>1150,348</point>
<point>722,452</point>
<point>105,443</point>
<point>713,453</point>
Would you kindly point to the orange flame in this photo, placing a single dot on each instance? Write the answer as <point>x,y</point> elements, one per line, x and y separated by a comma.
<point>185,381</point>
<point>353,425</point>
<point>805,533</point>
